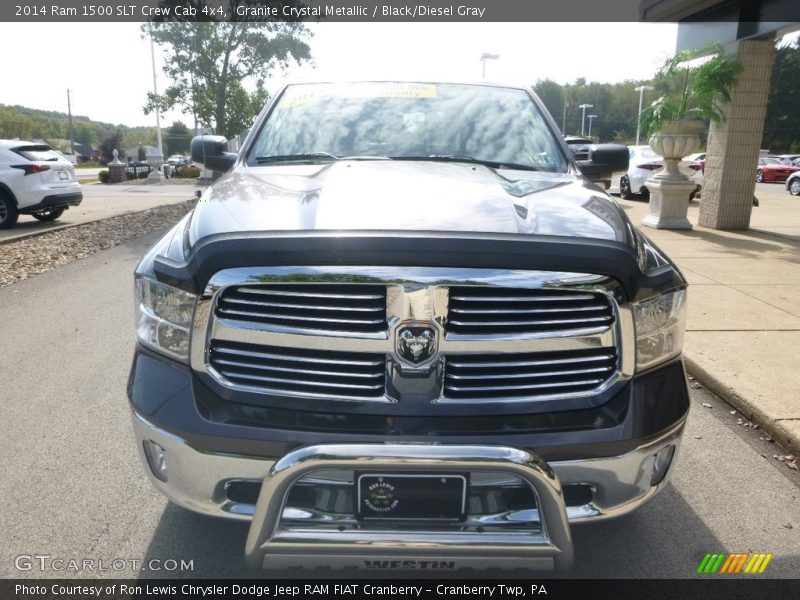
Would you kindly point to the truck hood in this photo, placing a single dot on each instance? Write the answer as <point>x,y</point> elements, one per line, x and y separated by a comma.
<point>389,195</point>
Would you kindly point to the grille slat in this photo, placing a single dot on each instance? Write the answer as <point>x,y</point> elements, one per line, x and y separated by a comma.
<point>508,376</point>
<point>328,308</point>
<point>298,372</point>
<point>492,311</point>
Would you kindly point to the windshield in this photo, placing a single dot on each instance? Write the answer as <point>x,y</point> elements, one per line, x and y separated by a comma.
<point>408,121</point>
<point>770,161</point>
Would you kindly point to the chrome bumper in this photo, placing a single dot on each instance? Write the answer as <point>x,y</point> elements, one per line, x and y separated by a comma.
<point>283,537</point>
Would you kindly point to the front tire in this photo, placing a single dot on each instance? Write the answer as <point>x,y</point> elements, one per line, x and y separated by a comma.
<point>48,214</point>
<point>8,212</point>
<point>794,187</point>
<point>625,188</point>
<point>759,176</point>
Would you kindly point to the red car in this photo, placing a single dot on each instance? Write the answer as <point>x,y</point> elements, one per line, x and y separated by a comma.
<point>771,169</point>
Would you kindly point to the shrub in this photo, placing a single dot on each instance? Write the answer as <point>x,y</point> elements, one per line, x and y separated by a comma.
<point>103,176</point>
<point>187,172</point>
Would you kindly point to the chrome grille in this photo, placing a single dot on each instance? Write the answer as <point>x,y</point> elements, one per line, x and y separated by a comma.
<point>503,376</point>
<point>497,310</point>
<point>323,307</point>
<point>299,372</point>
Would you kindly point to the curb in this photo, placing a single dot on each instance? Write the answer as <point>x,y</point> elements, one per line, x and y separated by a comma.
<point>746,407</point>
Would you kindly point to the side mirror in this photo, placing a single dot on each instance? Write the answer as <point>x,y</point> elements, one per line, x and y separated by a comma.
<point>604,159</point>
<point>211,151</point>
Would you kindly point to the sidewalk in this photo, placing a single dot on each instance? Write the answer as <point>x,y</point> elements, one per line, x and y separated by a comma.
<point>743,331</point>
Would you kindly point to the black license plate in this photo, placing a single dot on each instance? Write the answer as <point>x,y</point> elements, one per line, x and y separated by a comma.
<point>392,496</point>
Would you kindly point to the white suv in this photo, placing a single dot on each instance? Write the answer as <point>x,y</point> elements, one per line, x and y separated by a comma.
<point>35,180</point>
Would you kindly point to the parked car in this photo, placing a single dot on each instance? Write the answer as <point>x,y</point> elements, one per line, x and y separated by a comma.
<point>579,146</point>
<point>35,180</point>
<point>771,169</point>
<point>178,160</point>
<point>644,162</point>
<point>419,343</point>
<point>793,183</point>
<point>786,159</point>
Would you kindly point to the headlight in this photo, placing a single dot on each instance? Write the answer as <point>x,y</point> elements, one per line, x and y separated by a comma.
<point>660,323</point>
<point>164,317</point>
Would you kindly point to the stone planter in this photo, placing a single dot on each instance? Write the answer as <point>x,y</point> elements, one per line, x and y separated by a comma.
<point>669,188</point>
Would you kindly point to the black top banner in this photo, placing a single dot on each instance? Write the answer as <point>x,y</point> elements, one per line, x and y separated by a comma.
<point>364,10</point>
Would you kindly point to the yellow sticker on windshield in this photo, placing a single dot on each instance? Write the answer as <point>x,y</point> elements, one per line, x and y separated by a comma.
<point>300,94</point>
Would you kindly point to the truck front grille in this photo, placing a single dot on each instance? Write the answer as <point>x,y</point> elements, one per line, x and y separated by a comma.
<point>341,308</point>
<point>297,372</point>
<point>492,310</point>
<point>507,376</point>
<point>351,333</point>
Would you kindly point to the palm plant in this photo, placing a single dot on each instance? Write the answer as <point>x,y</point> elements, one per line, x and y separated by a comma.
<point>703,89</point>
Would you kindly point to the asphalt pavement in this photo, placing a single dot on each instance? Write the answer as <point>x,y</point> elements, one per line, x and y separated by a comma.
<point>104,201</point>
<point>73,487</point>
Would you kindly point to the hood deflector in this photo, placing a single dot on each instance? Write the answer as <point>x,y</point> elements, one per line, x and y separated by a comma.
<point>419,249</point>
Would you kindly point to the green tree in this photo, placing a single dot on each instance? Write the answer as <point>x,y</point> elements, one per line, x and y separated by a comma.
<point>552,96</point>
<point>209,63</point>
<point>782,125</point>
<point>113,140</point>
<point>177,139</point>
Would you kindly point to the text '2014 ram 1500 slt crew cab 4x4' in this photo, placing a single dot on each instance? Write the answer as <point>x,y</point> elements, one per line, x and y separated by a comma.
<point>406,329</point>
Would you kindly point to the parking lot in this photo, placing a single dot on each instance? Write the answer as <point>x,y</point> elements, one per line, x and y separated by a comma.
<point>103,201</point>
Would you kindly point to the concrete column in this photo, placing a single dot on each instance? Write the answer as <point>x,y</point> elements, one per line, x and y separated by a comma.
<point>733,146</point>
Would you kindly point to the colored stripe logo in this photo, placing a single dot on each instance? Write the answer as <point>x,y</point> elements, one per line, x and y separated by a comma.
<point>734,563</point>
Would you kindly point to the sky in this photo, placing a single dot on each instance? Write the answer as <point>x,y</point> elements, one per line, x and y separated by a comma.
<point>107,66</point>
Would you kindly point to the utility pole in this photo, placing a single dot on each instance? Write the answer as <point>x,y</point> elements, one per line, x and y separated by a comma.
<point>641,89</point>
<point>71,131</point>
<point>155,174</point>
<point>564,116</point>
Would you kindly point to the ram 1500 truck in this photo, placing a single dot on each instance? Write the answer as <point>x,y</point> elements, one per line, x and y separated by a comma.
<point>404,329</point>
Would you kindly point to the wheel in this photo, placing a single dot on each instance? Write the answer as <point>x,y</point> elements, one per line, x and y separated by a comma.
<point>8,212</point>
<point>48,214</point>
<point>759,176</point>
<point>794,187</point>
<point>645,193</point>
<point>625,188</point>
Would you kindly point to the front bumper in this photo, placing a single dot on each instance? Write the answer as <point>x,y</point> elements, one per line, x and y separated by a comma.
<point>282,535</point>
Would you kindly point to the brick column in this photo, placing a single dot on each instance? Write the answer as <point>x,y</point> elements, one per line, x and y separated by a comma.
<point>733,145</point>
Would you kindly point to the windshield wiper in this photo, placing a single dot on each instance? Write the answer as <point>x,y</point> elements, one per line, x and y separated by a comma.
<point>312,156</point>
<point>492,164</point>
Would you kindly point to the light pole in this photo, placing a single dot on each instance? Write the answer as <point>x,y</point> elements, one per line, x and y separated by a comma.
<point>155,174</point>
<point>564,117</point>
<point>487,56</point>
<point>641,89</point>
<point>590,117</point>
<point>583,108</point>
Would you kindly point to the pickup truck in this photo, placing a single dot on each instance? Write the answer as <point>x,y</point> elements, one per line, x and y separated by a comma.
<point>404,329</point>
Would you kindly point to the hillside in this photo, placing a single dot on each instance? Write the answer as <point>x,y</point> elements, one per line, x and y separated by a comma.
<point>30,123</point>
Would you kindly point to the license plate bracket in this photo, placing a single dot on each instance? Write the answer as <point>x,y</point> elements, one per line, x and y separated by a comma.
<point>411,496</point>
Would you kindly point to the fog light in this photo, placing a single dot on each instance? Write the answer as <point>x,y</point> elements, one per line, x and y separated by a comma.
<point>661,462</point>
<point>156,458</point>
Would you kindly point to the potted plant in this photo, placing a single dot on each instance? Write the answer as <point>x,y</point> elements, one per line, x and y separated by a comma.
<point>701,89</point>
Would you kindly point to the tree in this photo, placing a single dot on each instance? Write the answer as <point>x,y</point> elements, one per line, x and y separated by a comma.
<point>141,154</point>
<point>782,126</point>
<point>210,62</point>
<point>178,138</point>
<point>113,140</point>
